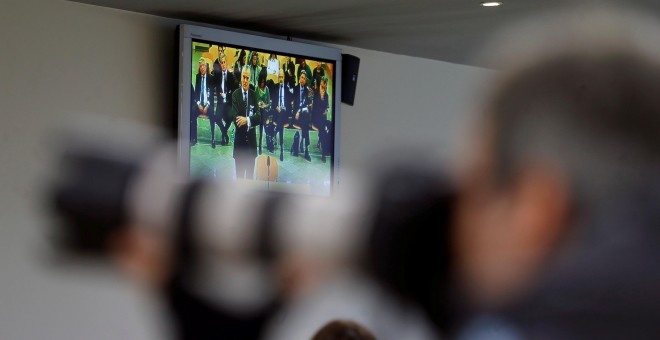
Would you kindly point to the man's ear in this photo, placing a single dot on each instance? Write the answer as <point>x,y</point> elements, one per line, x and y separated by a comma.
<point>540,206</point>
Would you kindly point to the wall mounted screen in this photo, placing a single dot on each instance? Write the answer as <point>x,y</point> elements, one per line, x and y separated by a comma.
<point>260,110</point>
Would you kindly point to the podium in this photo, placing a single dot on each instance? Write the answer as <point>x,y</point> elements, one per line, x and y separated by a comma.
<point>266,168</point>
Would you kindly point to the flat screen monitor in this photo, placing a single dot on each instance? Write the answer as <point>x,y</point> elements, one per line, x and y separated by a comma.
<point>260,110</point>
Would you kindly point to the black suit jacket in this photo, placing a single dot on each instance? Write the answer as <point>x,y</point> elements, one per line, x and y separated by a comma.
<point>230,87</point>
<point>209,91</point>
<point>290,79</point>
<point>245,140</point>
<point>275,96</point>
<point>298,104</point>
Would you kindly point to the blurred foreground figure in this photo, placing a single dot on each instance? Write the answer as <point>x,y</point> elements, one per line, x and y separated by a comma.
<point>559,226</point>
<point>234,262</point>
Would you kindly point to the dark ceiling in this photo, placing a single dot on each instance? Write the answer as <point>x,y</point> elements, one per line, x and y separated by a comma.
<point>447,30</point>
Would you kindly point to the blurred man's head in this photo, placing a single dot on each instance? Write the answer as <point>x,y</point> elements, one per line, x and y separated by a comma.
<point>568,131</point>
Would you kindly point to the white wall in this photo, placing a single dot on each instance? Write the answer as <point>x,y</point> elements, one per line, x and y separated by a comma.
<point>402,100</point>
<point>61,59</point>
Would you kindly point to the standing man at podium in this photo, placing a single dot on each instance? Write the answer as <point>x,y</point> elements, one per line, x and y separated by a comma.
<point>246,117</point>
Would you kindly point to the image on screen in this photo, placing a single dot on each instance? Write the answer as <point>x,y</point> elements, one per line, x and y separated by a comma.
<point>261,117</point>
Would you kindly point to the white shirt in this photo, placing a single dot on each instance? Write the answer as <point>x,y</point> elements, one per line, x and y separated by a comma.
<point>273,66</point>
<point>203,95</point>
<point>248,113</point>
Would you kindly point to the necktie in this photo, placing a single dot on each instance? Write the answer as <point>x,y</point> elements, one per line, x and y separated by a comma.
<point>281,96</point>
<point>202,94</point>
<point>247,108</point>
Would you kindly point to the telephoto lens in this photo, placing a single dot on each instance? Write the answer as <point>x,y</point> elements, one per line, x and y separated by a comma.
<point>88,194</point>
<point>227,241</point>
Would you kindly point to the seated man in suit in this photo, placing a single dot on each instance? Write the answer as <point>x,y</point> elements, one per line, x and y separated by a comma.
<point>202,97</point>
<point>225,86</point>
<point>302,104</point>
<point>281,98</point>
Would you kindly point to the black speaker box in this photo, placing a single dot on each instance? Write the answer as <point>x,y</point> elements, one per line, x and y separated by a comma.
<point>349,66</point>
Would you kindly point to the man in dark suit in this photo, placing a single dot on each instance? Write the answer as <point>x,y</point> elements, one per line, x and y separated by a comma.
<point>225,84</point>
<point>282,99</point>
<point>203,97</point>
<point>246,117</point>
<point>301,105</point>
<point>303,67</point>
<point>289,68</point>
